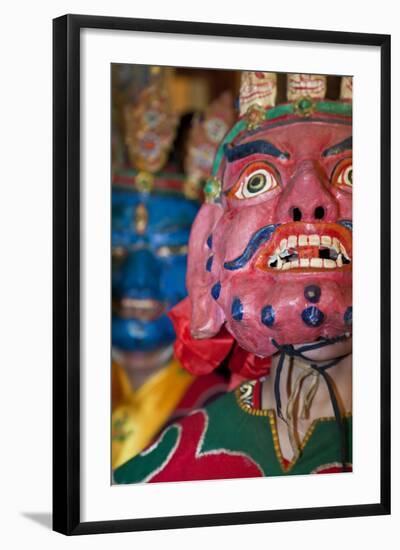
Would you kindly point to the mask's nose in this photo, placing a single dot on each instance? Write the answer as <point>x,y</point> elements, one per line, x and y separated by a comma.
<point>138,277</point>
<point>307,197</point>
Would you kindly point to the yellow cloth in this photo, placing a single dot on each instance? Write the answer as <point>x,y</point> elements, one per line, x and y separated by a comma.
<point>137,416</point>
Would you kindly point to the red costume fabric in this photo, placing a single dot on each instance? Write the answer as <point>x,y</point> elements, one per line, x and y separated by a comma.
<point>203,356</point>
<point>234,437</point>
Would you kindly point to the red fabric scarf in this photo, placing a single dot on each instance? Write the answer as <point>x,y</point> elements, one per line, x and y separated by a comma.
<point>203,356</point>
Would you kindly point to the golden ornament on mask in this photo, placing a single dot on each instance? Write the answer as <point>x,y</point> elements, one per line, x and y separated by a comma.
<point>304,106</point>
<point>141,219</point>
<point>212,189</point>
<point>254,116</point>
<point>144,182</point>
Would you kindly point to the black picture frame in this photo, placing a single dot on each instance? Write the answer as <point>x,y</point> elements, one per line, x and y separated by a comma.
<point>66,273</point>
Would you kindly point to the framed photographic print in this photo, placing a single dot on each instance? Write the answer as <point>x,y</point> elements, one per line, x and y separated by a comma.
<point>221,293</point>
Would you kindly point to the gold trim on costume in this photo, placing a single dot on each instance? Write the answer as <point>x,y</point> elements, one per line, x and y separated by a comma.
<point>271,413</point>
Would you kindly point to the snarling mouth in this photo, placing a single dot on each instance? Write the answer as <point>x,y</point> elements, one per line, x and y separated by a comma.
<point>139,308</point>
<point>307,246</point>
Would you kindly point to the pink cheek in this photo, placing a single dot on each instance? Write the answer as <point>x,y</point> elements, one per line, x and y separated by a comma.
<point>239,224</point>
<point>345,202</point>
<point>258,309</point>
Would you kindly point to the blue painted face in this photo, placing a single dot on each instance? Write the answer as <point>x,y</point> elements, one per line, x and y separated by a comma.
<point>150,233</point>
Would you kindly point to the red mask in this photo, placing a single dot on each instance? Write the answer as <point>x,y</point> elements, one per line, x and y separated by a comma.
<point>272,257</point>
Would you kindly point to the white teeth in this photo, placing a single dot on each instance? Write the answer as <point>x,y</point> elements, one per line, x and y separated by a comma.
<point>303,240</point>
<point>313,240</point>
<point>325,240</point>
<point>316,262</point>
<point>286,256</point>
<point>276,258</point>
<point>336,244</point>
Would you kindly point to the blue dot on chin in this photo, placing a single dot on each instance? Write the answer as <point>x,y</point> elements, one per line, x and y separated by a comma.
<point>312,293</point>
<point>209,241</point>
<point>268,315</point>
<point>312,316</point>
<point>237,309</point>
<point>348,316</point>
<point>216,290</point>
<point>209,263</point>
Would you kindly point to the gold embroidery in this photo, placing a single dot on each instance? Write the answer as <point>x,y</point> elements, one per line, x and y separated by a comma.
<point>243,398</point>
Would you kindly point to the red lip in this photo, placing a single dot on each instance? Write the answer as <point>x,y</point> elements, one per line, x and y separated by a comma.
<point>307,247</point>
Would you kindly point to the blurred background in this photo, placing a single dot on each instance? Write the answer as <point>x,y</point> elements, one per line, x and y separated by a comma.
<point>166,126</point>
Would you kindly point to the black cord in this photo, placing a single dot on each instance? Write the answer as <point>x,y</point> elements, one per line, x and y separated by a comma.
<point>290,351</point>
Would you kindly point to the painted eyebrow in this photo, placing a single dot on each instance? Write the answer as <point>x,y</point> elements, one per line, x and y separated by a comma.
<point>345,145</point>
<point>247,149</point>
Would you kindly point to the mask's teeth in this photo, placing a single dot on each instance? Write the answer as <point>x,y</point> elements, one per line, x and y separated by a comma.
<point>303,240</point>
<point>326,241</point>
<point>331,253</point>
<point>314,240</point>
<point>336,244</point>
<point>275,262</point>
<point>343,251</point>
<point>316,262</point>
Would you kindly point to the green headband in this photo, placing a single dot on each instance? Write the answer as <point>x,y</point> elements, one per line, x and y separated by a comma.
<point>304,107</point>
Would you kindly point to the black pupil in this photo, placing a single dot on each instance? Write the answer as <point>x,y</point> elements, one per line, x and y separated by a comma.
<point>256,183</point>
<point>350,176</point>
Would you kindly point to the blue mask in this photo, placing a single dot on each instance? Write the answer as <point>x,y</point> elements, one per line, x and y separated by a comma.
<point>150,233</point>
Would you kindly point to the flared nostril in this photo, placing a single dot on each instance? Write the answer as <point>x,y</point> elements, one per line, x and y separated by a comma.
<point>296,214</point>
<point>319,213</point>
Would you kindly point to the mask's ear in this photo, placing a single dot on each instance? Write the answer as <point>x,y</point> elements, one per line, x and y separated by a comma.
<point>207,317</point>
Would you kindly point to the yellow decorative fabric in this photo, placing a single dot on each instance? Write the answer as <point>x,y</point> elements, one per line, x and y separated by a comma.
<point>138,415</point>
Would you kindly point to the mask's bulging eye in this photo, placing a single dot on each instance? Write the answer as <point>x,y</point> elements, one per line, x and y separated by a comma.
<point>253,182</point>
<point>343,174</point>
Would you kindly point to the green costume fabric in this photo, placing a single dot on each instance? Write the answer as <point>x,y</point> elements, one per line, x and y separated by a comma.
<point>232,438</point>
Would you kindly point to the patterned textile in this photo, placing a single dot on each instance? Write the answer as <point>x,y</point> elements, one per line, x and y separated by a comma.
<point>234,437</point>
<point>139,415</point>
